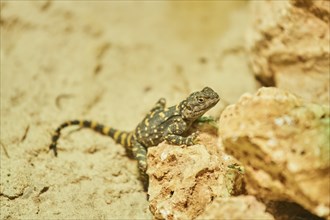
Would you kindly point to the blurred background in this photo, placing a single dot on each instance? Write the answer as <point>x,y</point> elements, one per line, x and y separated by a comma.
<point>110,61</point>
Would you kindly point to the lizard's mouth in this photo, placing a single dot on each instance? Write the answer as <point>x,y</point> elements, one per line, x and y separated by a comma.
<point>201,110</point>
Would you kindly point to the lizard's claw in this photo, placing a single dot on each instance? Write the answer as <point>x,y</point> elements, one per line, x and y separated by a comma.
<point>192,139</point>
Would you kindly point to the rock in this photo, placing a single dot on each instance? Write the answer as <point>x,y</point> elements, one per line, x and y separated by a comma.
<point>283,143</point>
<point>238,208</point>
<point>184,180</point>
<point>288,44</point>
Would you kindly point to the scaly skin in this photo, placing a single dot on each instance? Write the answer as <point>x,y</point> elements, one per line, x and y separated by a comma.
<point>160,124</point>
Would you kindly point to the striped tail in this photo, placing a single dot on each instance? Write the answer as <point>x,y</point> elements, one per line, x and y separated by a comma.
<point>121,137</point>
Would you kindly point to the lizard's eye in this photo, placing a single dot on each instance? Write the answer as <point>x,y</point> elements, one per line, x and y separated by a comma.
<point>200,100</point>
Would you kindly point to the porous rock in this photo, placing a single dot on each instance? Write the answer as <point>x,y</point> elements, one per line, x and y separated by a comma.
<point>238,208</point>
<point>283,143</point>
<point>185,179</point>
<point>288,44</point>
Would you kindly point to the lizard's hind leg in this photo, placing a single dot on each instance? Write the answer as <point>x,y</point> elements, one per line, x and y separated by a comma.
<point>140,154</point>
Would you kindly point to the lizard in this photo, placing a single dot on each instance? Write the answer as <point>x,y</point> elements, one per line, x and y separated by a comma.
<point>162,123</point>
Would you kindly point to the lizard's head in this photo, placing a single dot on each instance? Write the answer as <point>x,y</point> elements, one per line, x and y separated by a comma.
<point>198,103</point>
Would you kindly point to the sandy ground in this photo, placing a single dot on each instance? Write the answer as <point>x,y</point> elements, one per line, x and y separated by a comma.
<point>110,62</point>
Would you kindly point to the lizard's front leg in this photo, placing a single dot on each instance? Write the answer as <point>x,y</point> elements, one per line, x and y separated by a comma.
<point>140,154</point>
<point>174,132</point>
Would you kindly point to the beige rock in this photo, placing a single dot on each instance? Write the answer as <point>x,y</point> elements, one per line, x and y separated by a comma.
<point>288,45</point>
<point>184,180</point>
<point>283,142</point>
<point>238,208</point>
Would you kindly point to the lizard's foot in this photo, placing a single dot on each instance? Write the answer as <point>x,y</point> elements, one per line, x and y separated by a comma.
<point>192,139</point>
